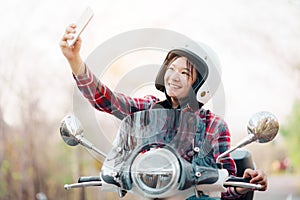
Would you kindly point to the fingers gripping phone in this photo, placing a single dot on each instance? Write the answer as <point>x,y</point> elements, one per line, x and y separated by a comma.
<point>82,22</point>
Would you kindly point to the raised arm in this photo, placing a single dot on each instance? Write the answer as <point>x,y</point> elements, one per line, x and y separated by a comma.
<point>72,53</point>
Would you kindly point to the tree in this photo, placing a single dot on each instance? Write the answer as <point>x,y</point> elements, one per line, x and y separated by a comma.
<point>28,162</point>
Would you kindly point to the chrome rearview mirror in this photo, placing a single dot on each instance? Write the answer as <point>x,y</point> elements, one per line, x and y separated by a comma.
<point>262,127</point>
<point>71,132</point>
<point>70,128</point>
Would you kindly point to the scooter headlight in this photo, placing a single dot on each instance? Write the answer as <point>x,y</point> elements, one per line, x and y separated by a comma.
<point>155,172</point>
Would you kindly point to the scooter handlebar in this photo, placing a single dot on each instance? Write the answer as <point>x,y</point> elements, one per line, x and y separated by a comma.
<point>85,181</point>
<point>241,182</point>
<point>84,184</point>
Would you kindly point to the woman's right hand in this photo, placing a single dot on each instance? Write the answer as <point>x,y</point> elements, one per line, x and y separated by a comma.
<point>72,52</point>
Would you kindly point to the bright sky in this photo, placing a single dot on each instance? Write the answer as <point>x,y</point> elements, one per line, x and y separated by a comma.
<point>257,43</point>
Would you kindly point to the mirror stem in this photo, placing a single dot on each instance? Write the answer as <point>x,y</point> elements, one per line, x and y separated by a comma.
<point>247,140</point>
<point>89,145</point>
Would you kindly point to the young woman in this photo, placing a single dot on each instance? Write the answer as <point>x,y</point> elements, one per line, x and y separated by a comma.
<point>180,77</point>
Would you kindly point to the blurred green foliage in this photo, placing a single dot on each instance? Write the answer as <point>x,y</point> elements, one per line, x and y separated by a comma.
<point>291,133</point>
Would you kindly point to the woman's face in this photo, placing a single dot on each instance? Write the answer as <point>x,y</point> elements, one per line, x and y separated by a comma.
<point>179,78</point>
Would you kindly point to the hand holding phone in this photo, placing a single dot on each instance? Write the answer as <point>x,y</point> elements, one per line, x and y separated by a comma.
<point>82,22</point>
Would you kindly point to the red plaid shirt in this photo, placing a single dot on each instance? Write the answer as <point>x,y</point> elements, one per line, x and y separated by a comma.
<point>120,105</point>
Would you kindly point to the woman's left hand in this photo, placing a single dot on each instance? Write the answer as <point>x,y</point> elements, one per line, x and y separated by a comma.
<point>257,177</point>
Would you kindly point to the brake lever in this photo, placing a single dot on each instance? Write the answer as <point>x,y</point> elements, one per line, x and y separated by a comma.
<point>243,185</point>
<point>88,179</point>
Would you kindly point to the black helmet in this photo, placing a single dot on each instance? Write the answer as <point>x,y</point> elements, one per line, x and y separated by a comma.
<point>199,64</point>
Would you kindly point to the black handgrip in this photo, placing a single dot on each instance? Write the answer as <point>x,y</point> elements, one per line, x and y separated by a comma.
<point>88,179</point>
<point>238,179</point>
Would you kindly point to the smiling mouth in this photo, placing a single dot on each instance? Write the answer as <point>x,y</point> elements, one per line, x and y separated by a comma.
<point>173,86</point>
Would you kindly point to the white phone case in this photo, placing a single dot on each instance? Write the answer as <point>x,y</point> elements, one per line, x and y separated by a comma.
<point>82,22</point>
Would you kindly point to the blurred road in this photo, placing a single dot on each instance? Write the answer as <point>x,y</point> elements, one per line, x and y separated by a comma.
<point>281,187</point>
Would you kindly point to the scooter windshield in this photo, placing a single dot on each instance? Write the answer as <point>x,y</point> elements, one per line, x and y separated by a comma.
<point>183,132</point>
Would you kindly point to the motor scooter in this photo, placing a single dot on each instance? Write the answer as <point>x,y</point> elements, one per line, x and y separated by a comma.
<point>153,155</point>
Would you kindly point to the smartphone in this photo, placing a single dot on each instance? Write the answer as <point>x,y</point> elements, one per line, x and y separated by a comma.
<point>81,23</point>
